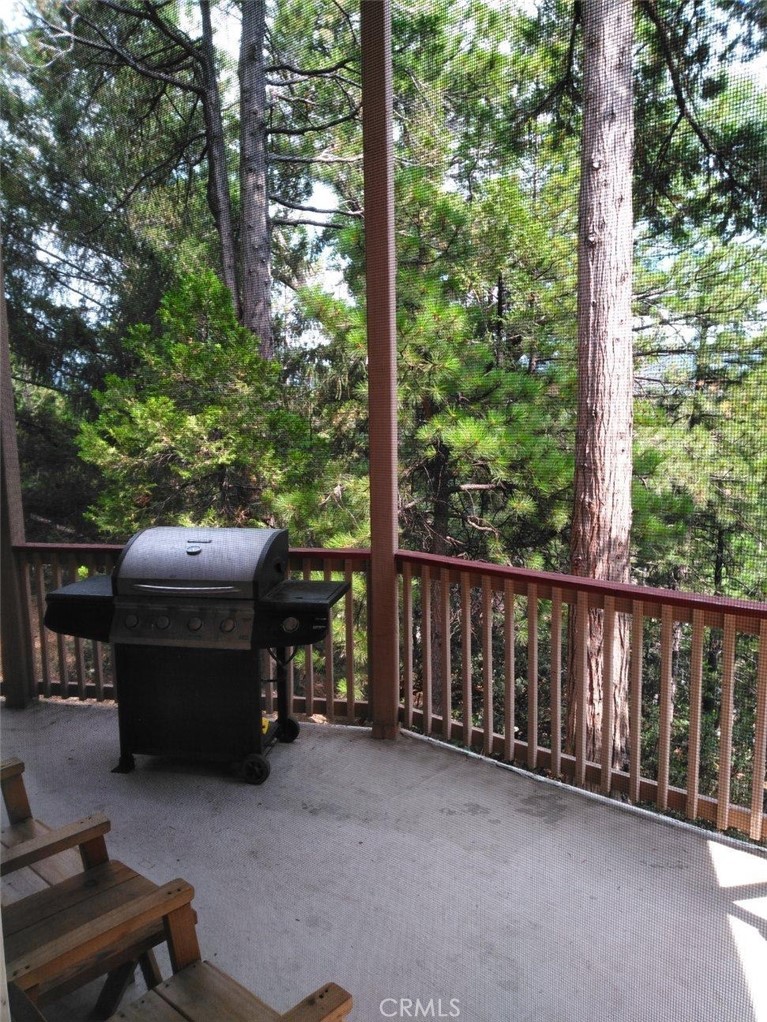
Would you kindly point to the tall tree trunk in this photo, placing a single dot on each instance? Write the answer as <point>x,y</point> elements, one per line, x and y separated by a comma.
<point>601,526</point>
<point>218,177</point>
<point>254,196</point>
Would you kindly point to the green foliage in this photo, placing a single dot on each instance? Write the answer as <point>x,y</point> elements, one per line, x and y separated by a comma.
<point>202,432</point>
<point>105,206</point>
<point>56,484</point>
<point>700,472</point>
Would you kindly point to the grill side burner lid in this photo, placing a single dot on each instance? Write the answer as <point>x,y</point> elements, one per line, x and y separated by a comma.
<point>206,563</point>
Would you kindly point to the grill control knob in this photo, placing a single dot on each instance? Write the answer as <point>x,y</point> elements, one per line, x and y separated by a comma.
<point>290,624</point>
<point>194,624</point>
<point>131,620</point>
<point>162,621</point>
<point>227,625</point>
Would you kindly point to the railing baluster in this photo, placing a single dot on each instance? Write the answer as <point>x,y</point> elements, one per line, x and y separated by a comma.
<point>532,677</point>
<point>266,668</point>
<point>97,651</point>
<point>98,669</point>
<point>608,694</point>
<point>487,665</point>
<point>666,706</point>
<point>760,740</point>
<point>61,641</point>
<point>79,656</point>
<point>725,725</point>
<point>468,709</point>
<point>635,700</point>
<point>447,669</point>
<point>330,673</point>
<point>581,685</point>
<point>75,643</point>
<point>42,633</point>
<point>407,637</point>
<point>509,674</point>
<point>555,697</point>
<point>290,679</point>
<point>696,696</point>
<point>26,622</point>
<point>308,656</point>
<point>349,638</point>
<point>426,672</point>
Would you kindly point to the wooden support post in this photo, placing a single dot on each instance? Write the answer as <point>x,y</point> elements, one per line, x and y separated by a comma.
<point>378,167</point>
<point>15,639</point>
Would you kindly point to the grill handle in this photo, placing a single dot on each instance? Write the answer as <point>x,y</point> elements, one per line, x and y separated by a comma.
<point>182,590</point>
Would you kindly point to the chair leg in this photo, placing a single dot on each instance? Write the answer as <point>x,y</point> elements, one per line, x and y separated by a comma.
<point>113,990</point>
<point>118,980</point>
<point>22,1008</point>
<point>150,969</point>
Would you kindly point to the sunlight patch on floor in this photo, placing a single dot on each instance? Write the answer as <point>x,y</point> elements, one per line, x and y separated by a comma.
<point>752,950</point>
<point>737,868</point>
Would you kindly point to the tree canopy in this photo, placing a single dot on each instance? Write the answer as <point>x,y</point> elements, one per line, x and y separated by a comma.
<point>133,135</point>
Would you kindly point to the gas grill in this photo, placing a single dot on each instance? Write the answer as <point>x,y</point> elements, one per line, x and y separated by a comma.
<point>188,611</point>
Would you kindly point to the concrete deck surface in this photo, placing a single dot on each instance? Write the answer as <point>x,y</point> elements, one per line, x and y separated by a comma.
<point>428,883</point>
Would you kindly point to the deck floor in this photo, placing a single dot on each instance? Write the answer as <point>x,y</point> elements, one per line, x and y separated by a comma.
<point>428,883</point>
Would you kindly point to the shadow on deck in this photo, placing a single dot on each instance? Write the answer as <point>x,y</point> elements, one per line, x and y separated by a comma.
<point>426,882</point>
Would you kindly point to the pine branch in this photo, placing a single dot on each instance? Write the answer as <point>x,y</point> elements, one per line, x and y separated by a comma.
<point>279,221</point>
<point>114,49</point>
<point>683,103</point>
<point>329,160</point>
<point>356,214</point>
<point>304,73</point>
<point>318,127</point>
<point>566,83</point>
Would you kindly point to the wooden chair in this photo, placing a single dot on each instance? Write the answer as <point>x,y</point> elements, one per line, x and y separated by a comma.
<point>197,992</point>
<point>24,827</point>
<point>59,880</point>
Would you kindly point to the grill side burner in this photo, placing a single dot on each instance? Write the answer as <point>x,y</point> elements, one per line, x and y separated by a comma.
<point>187,611</point>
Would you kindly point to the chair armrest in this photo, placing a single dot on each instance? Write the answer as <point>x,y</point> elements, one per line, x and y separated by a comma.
<point>73,835</point>
<point>84,942</point>
<point>330,1003</point>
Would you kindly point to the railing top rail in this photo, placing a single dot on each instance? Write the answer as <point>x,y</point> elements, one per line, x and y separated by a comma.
<point>360,554</point>
<point>570,585</point>
<point>69,548</point>
<point>625,594</point>
<point>328,553</point>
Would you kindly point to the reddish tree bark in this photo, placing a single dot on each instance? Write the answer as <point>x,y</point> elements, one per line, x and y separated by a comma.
<point>601,525</point>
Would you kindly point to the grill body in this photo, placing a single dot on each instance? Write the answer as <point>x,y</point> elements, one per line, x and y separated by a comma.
<point>187,612</point>
<point>201,704</point>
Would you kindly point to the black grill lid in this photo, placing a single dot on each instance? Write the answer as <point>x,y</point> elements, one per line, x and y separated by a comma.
<point>167,561</point>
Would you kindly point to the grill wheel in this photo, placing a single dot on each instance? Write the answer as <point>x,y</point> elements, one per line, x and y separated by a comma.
<point>289,730</point>
<point>255,768</point>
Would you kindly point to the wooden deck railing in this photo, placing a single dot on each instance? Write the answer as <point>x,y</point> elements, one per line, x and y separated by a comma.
<point>484,656</point>
<point>485,664</point>
<point>81,668</point>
